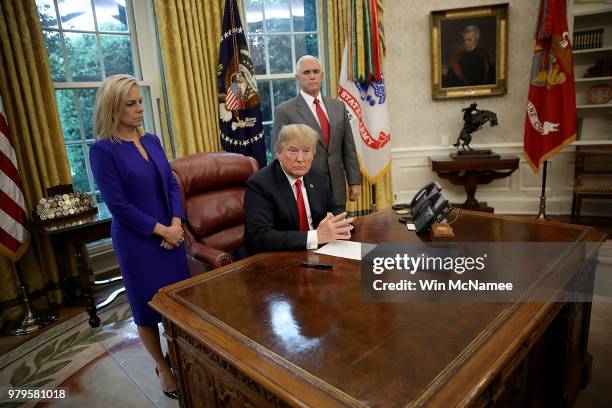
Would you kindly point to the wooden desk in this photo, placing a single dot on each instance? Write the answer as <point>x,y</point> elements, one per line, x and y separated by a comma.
<point>74,233</point>
<point>469,172</point>
<point>266,332</point>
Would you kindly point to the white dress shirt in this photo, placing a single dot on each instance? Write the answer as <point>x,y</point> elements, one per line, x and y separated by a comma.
<point>312,239</point>
<point>310,102</point>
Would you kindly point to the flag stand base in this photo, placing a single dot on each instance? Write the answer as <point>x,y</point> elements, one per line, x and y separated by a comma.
<point>542,213</point>
<point>32,319</point>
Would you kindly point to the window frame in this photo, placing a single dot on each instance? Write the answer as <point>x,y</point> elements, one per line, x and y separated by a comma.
<point>140,18</point>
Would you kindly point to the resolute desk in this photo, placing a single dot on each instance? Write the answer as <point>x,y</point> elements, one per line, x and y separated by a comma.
<point>266,332</point>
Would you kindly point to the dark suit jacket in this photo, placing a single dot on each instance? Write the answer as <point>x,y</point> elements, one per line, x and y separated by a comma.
<point>272,220</point>
<point>338,161</point>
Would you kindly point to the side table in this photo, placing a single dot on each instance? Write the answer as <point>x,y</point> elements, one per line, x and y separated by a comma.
<point>74,234</point>
<point>469,172</point>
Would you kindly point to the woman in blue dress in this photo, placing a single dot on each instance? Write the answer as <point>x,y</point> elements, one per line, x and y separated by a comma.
<point>137,184</point>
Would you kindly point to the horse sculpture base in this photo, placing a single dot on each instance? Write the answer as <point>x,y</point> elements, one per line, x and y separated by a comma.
<point>474,154</point>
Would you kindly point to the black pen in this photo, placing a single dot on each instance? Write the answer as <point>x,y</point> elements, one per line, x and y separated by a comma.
<point>316,265</point>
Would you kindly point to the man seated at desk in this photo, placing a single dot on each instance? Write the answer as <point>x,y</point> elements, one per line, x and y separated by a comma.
<point>284,201</point>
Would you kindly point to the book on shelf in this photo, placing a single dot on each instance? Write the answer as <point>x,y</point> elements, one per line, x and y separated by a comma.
<point>588,39</point>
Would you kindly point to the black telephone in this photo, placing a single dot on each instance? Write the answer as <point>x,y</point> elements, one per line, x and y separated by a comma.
<point>429,205</point>
<point>421,196</point>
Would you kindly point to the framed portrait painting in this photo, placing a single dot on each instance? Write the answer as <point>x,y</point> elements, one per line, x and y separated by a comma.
<point>469,51</point>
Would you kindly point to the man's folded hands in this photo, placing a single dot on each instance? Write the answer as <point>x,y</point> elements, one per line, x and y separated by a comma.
<point>334,227</point>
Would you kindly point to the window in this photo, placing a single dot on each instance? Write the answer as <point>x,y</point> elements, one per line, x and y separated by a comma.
<point>88,40</point>
<point>279,32</point>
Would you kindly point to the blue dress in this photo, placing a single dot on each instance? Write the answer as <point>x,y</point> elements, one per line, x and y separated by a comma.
<point>140,193</point>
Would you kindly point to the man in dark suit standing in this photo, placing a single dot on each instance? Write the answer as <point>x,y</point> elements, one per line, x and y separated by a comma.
<point>336,156</point>
<point>288,205</point>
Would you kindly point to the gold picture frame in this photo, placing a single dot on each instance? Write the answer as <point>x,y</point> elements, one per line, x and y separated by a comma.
<point>469,52</point>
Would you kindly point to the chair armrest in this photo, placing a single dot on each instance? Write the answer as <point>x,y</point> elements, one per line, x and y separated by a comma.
<point>212,256</point>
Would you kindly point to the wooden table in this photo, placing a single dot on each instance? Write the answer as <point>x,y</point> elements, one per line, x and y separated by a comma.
<point>73,234</point>
<point>266,332</point>
<point>469,172</point>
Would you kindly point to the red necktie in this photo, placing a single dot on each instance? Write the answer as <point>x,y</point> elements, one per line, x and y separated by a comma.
<point>301,206</point>
<point>323,122</point>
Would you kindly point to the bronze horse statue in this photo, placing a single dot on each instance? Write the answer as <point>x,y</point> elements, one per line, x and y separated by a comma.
<point>474,120</point>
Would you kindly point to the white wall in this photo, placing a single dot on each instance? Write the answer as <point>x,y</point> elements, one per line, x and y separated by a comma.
<point>422,127</point>
<point>417,120</point>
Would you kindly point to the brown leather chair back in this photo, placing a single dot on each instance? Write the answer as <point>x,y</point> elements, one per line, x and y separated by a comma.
<point>212,185</point>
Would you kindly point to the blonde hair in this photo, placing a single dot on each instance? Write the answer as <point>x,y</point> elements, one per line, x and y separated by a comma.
<point>297,132</point>
<point>110,104</point>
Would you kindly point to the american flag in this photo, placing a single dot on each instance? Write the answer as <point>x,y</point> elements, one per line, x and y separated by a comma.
<point>232,98</point>
<point>14,238</point>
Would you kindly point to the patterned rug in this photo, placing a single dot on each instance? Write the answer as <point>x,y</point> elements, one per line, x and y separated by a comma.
<point>106,366</point>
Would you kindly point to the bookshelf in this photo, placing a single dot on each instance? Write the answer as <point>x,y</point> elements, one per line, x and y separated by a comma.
<point>593,51</point>
<point>594,79</point>
<point>591,26</point>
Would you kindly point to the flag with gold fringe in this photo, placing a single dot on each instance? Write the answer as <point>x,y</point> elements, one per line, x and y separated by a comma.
<point>364,41</point>
<point>239,114</point>
<point>550,121</point>
<point>362,88</point>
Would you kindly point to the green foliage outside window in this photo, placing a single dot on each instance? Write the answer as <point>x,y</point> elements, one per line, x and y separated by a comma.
<point>87,56</point>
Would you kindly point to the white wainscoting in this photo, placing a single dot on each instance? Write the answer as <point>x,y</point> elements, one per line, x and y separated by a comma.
<point>102,258</point>
<point>517,194</point>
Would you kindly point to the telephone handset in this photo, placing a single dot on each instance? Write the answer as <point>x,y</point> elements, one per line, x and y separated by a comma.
<point>436,210</point>
<point>429,205</point>
<point>422,196</point>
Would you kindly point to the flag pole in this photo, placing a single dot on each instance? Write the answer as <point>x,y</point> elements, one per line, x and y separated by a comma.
<point>542,213</point>
<point>373,197</point>
<point>32,319</point>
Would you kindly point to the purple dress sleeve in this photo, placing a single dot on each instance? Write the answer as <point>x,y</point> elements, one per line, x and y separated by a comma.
<point>174,190</point>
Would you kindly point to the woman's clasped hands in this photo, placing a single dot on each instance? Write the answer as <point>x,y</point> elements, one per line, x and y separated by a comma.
<point>172,236</point>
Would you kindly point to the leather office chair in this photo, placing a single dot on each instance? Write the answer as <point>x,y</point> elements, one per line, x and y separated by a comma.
<point>212,186</point>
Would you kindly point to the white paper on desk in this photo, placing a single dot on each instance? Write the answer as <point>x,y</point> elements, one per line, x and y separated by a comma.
<point>345,249</point>
<point>411,227</point>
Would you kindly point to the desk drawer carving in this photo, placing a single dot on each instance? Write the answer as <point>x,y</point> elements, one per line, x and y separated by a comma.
<point>212,381</point>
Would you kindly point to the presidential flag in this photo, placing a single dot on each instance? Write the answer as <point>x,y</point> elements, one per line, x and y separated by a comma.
<point>239,115</point>
<point>550,122</point>
<point>14,238</point>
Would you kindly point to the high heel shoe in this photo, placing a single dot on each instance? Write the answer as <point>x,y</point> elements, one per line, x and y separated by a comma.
<point>170,394</point>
